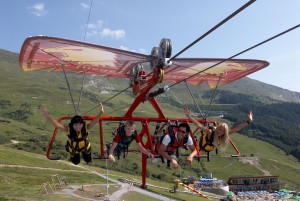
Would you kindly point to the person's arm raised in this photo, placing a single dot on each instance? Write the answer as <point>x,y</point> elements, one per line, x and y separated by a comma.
<point>96,119</point>
<point>187,112</point>
<point>52,120</point>
<point>242,125</point>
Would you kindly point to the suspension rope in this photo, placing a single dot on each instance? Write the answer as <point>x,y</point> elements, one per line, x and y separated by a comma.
<point>248,49</point>
<point>214,28</point>
<point>201,37</point>
<point>87,24</point>
<point>213,97</point>
<point>79,99</point>
<point>222,61</point>
<point>194,99</point>
<point>229,17</point>
<point>62,62</point>
<point>63,67</point>
<point>88,20</point>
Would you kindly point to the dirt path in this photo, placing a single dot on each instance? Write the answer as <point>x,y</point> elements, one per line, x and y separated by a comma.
<point>117,195</point>
<point>255,162</point>
<point>125,187</point>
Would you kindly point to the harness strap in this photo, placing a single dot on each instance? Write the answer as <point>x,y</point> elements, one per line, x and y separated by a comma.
<point>208,142</point>
<point>76,147</point>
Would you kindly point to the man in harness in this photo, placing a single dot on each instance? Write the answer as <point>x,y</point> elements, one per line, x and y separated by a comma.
<point>77,131</point>
<point>172,141</point>
<point>125,135</point>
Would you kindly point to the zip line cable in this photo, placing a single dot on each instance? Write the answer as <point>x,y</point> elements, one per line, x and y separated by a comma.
<point>200,38</point>
<point>197,40</point>
<point>88,20</point>
<point>212,29</point>
<point>261,43</point>
<point>250,48</point>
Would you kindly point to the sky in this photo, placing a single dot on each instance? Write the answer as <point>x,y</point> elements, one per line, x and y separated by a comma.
<point>139,25</point>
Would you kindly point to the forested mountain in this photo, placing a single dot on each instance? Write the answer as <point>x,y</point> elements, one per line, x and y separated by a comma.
<point>277,123</point>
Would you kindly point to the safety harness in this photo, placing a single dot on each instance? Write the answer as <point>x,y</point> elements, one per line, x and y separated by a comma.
<point>74,144</point>
<point>206,144</point>
<point>123,143</point>
<point>173,145</point>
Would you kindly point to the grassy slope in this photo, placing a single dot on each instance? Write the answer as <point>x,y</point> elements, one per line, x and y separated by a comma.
<point>25,179</point>
<point>38,88</point>
<point>26,182</point>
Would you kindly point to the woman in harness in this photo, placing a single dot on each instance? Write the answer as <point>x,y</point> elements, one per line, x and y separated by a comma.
<point>125,135</point>
<point>77,131</point>
<point>181,138</point>
<point>216,136</point>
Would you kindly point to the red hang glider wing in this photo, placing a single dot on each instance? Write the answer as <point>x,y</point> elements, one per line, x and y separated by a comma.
<point>198,71</point>
<point>42,52</point>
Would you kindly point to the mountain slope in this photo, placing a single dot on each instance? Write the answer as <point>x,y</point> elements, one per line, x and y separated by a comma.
<point>22,95</point>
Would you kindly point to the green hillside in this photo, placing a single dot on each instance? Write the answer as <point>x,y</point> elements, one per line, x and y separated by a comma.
<point>276,120</point>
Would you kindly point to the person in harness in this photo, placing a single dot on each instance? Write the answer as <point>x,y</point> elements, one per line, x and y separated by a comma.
<point>216,136</point>
<point>125,135</point>
<point>172,141</point>
<point>77,131</point>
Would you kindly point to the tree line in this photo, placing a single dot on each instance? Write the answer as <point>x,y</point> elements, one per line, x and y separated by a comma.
<point>275,122</point>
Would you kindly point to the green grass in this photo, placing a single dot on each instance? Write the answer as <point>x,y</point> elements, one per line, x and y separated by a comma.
<point>133,196</point>
<point>21,92</point>
<point>23,173</point>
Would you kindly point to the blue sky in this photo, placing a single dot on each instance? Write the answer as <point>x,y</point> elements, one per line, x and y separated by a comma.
<point>139,25</point>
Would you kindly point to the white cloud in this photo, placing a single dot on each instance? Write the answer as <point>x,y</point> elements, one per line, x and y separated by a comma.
<point>93,28</point>
<point>38,9</point>
<point>91,33</point>
<point>96,28</point>
<point>84,6</point>
<point>116,34</point>
<point>97,25</point>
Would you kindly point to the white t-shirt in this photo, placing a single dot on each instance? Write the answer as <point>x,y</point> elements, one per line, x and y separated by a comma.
<point>167,140</point>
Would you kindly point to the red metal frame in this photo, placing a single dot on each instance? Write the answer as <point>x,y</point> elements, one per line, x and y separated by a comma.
<point>141,88</point>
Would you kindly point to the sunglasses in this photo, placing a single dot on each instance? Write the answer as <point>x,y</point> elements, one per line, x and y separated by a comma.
<point>181,131</point>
